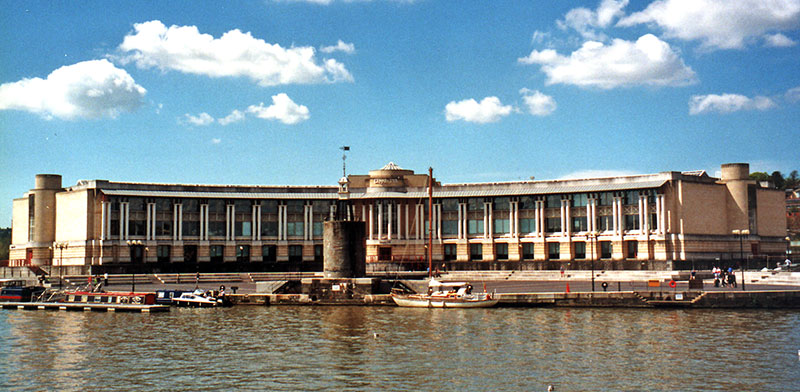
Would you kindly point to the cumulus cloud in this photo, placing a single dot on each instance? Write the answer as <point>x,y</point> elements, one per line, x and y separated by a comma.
<point>538,104</point>
<point>585,21</point>
<point>282,109</point>
<point>778,41</point>
<point>89,89</point>
<point>727,103</point>
<point>216,141</point>
<point>719,24</point>
<point>200,120</point>
<point>648,61</point>
<point>793,94</point>
<point>340,47</point>
<point>234,54</point>
<point>489,109</point>
<point>235,116</point>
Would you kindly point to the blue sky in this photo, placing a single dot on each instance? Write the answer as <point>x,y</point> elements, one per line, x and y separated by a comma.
<point>266,92</point>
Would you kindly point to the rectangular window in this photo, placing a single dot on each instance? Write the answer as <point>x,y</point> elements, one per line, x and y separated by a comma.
<point>191,228</point>
<point>605,223</point>
<point>605,249</point>
<point>633,249</point>
<point>527,225</point>
<point>449,227</point>
<point>631,198</point>
<point>501,251</point>
<point>450,252</point>
<point>632,222</point>
<point>501,204</point>
<point>605,199</point>
<point>475,226</point>
<point>162,252</point>
<point>269,253</point>
<point>449,204</point>
<point>243,253</point>
<point>318,253</point>
<point>527,251</point>
<point>653,222</point>
<point>163,227</point>
<point>580,200</point>
<point>476,252</point>
<point>552,225</point>
<point>475,204</point>
<point>579,223</point>
<point>318,229</point>
<point>553,201</point>
<point>269,228</point>
<point>554,251</point>
<point>243,229</point>
<point>190,253</point>
<point>294,229</point>
<point>580,250</point>
<point>295,206</point>
<point>501,226</point>
<point>295,253</point>
<point>215,252</point>
<point>137,227</point>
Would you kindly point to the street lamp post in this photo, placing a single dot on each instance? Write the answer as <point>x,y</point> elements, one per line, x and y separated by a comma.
<point>788,248</point>
<point>131,245</point>
<point>741,233</point>
<point>60,246</point>
<point>592,239</point>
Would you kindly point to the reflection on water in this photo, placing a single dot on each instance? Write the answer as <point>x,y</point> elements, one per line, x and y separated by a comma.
<point>369,348</point>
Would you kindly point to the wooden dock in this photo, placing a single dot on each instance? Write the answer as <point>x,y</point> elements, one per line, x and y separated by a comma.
<point>82,306</point>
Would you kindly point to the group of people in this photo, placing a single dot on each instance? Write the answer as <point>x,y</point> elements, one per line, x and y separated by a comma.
<point>724,277</point>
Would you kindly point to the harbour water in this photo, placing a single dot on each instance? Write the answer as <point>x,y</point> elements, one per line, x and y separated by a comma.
<point>397,349</point>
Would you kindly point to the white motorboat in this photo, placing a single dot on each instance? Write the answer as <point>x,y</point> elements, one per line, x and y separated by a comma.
<point>446,295</point>
<point>197,300</point>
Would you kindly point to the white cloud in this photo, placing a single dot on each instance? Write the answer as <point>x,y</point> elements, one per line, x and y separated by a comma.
<point>488,110</point>
<point>282,109</point>
<point>719,24</point>
<point>89,89</point>
<point>538,103</point>
<point>793,94</point>
<point>234,54</point>
<point>235,116</point>
<point>340,46</point>
<point>648,61</point>
<point>200,120</point>
<point>597,174</point>
<point>584,20</point>
<point>216,141</point>
<point>778,41</point>
<point>727,103</point>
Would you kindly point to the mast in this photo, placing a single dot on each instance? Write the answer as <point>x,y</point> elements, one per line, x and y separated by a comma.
<point>430,222</point>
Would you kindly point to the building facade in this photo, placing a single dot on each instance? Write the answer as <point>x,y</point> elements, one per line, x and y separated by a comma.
<point>669,220</point>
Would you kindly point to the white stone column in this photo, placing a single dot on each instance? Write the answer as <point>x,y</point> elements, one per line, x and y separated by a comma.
<point>280,222</point>
<point>567,218</point>
<point>258,222</point>
<point>103,216</point>
<point>514,219</point>
<point>438,220</point>
<point>399,223</point>
<point>380,221</point>
<point>615,216</point>
<point>285,222</point>
<point>124,217</point>
<point>486,218</point>
<point>407,233</point>
<point>371,228</point>
<point>179,227</point>
<point>645,223</point>
<point>660,211</point>
<point>460,224</point>
<point>389,223</point>
<point>147,222</point>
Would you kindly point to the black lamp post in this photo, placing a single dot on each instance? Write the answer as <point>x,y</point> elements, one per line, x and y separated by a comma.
<point>132,244</point>
<point>60,246</point>
<point>741,234</point>
<point>592,239</point>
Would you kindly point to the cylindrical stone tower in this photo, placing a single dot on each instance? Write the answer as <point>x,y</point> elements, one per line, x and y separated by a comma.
<point>736,177</point>
<point>343,249</point>
<point>42,223</point>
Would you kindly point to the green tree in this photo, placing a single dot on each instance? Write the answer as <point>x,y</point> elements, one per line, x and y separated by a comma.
<point>777,179</point>
<point>759,176</point>
<point>792,181</point>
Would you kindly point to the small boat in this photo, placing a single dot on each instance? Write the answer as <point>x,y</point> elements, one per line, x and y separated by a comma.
<point>99,297</point>
<point>197,299</point>
<point>446,295</point>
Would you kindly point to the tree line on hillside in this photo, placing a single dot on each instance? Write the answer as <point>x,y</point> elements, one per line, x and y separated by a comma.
<point>792,181</point>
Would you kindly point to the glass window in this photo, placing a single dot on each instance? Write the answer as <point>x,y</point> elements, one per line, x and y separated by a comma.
<point>295,206</point>
<point>216,228</point>
<point>580,250</point>
<point>321,206</point>
<point>501,204</point>
<point>527,203</point>
<point>501,226</point>
<point>633,249</point>
<point>163,204</point>
<point>243,229</point>
<point>190,205</point>
<point>295,253</point>
<point>449,227</point>
<point>190,253</point>
<point>136,204</point>
<point>632,222</point>
<point>475,226</point>
<point>527,225</point>
<point>450,252</point>
<point>269,206</point>
<point>501,250</point>
<point>269,253</point>
<point>553,201</point>
<point>554,250</point>
<point>216,205</point>
<point>191,228</point>
<point>318,253</point>
<point>242,206</point>
<point>476,252</point>
<point>475,204</point>
<point>552,225</point>
<point>580,200</point>
<point>215,251</point>
<point>653,222</point>
<point>162,251</point>
<point>605,222</point>
<point>449,204</point>
<point>163,227</point>
<point>631,198</point>
<point>318,229</point>
<point>269,228</point>
<point>579,223</point>
<point>294,229</point>
<point>605,249</point>
<point>605,199</point>
<point>527,251</point>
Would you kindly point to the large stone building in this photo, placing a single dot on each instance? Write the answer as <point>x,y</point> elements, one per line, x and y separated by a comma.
<point>665,220</point>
